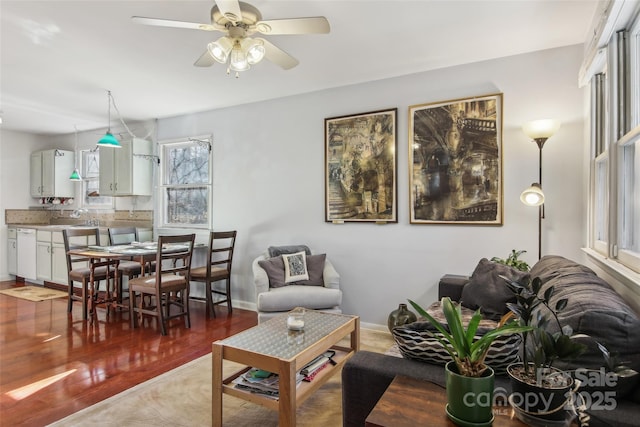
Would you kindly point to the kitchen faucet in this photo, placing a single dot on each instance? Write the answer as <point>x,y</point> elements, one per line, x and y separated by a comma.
<point>76,213</point>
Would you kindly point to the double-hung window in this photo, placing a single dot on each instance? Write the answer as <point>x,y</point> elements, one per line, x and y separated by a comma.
<point>629,161</point>
<point>186,183</point>
<point>615,136</point>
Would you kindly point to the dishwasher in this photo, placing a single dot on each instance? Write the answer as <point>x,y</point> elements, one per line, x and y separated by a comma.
<point>26,242</point>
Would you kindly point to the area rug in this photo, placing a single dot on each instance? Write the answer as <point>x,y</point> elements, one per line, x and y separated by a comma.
<point>182,397</point>
<point>34,293</point>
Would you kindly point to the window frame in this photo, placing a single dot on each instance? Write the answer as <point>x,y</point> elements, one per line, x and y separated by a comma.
<point>162,186</point>
<point>620,124</point>
<point>106,202</point>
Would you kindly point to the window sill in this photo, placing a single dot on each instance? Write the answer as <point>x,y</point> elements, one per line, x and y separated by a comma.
<point>627,277</point>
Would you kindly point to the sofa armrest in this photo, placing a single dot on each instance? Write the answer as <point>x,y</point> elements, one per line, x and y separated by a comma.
<point>260,278</point>
<point>366,376</point>
<point>330,276</point>
<point>451,286</point>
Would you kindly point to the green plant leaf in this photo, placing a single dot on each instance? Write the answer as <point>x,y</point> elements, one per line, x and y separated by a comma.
<point>562,304</point>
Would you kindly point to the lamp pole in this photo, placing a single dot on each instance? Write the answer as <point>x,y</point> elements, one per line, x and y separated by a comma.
<point>540,142</point>
<point>539,131</point>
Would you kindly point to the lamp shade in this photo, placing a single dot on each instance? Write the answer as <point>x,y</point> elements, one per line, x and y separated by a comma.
<point>238,61</point>
<point>543,128</point>
<point>532,196</point>
<point>220,49</point>
<point>254,49</point>
<point>75,175</point>
<point>108,140</point>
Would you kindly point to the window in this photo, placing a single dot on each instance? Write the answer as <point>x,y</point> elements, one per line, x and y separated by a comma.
<point>91,198</point>
<point>615,118</point>
<point>601,173</point>
<point>186,183</point>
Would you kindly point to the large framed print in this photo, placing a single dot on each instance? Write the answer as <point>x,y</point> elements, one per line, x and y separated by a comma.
<point>361,167</point>
<point>455,161</point>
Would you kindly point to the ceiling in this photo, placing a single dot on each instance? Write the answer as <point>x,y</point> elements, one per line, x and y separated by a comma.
<point>58,58</point>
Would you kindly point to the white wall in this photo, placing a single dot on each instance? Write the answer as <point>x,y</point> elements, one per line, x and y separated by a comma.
<point>269,178</point>
<point>15,148</point>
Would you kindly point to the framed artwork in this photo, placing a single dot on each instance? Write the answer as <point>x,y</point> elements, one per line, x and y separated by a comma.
<point>361,167</point>
<point>455,161</point>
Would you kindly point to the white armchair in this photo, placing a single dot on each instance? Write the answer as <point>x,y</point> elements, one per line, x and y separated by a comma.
<point>271,301</point>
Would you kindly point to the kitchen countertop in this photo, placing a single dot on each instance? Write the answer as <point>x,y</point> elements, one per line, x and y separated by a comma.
<point>60,227</point>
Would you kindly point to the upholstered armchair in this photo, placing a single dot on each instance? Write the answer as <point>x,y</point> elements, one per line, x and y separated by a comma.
<point>275,295</point>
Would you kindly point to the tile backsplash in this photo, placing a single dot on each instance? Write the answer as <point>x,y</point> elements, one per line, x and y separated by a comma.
<point>62,216</point>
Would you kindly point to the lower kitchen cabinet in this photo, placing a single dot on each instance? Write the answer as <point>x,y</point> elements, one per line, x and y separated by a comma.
<point>12,252</point>
<point>43,255</point>
<point>58,259</point>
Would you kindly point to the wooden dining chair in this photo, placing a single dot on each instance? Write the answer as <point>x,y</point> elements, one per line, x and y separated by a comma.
<point>169,285</point>
<point>125,236</point>
<point>79,269</point>
<point>218,267</point>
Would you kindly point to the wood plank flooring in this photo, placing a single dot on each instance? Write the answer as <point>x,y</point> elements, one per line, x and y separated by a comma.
<point>53,363</point>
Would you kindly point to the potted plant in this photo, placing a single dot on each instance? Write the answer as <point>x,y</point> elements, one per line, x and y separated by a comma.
<point>469,382</point>
<point>539,389</point>
<point>614,379</point>
<point>513,260</point>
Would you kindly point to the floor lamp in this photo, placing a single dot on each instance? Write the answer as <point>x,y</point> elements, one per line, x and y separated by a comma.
<point>539,131</point>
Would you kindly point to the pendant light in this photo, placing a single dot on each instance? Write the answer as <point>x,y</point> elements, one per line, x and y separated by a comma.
<point>108,140</point>
<point>75,176</point>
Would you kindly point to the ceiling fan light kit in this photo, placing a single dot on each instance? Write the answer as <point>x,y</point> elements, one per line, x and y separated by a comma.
<point>239,21</point>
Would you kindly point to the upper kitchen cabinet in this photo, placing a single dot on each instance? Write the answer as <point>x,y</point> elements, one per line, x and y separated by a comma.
<point>127,171</point>
<point>50,171</point>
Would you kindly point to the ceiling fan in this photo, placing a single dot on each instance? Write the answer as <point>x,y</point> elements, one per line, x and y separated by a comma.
<point>239,21</point>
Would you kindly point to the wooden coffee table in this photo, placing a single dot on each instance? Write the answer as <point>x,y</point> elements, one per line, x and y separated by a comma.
<point>408,402</point>
<point>267,347</point>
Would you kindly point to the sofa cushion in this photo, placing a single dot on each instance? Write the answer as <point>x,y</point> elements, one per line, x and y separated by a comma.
<point>275,271</point>
<point>417,341</point>
<point>275,251</point>
<point>488,291</point>
<point>288,297</point>
<point>594,309</point>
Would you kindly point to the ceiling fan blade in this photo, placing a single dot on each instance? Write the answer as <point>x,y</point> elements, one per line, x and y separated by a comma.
<point>230,9</point>
<point>174,24</point>
<point>314,25</point>
<point>278,56</point>
<point>205,60</point>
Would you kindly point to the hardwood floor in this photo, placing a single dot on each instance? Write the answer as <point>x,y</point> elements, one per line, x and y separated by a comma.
<point>53,363</point>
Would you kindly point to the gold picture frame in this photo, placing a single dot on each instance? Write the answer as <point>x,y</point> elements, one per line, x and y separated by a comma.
<point>361,167</point>
<point>455,161</point>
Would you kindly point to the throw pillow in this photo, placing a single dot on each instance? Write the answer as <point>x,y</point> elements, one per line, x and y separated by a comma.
<point>295,267</point>
<point>275,271</point>
<point>275,251</point>
<point>315,268</point>
<point>488,291</point>
<point>417,341</point>
<point>274,268</point>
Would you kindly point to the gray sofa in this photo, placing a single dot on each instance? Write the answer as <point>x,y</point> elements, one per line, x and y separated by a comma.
<point>594,308</point>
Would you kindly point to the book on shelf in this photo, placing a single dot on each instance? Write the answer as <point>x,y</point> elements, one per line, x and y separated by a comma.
<point>261,382</point>
<point>316,365</point>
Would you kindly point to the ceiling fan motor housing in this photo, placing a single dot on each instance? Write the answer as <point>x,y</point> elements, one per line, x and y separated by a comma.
<point>250,15</point>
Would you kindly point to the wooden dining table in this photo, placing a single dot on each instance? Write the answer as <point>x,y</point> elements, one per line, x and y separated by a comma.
<point>110,256</point>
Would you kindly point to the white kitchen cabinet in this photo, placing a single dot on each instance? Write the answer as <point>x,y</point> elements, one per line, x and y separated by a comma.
<point>43,255</point>
<point>12,252</point>
<point>58,259</point>
<point>50,171</point>
<point>125,171</point>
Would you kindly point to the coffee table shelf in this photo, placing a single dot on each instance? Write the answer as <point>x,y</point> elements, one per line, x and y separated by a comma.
<point>266,347</point>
